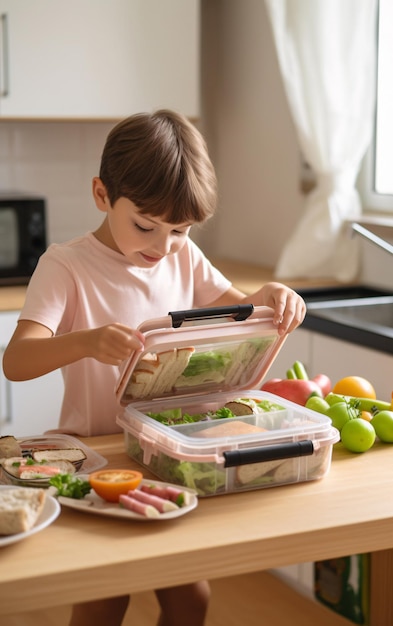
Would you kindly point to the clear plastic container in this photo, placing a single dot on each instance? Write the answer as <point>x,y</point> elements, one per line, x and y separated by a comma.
<point>265,449</point>
<point>91,463</point>
<point>223,359</point>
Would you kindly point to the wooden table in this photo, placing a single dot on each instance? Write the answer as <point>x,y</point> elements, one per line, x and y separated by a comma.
<point>81,557</point>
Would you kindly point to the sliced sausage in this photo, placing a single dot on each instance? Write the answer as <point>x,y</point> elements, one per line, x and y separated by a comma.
<point>138,507</point>
<point>162,505</point>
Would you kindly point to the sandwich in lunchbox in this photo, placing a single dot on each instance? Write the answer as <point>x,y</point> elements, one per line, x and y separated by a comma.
<point>228,428</point>
<point>229,365</point>
<point>156,374</point>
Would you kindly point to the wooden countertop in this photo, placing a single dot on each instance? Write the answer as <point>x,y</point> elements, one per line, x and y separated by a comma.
<point>249,278</point>
<point>82,557</point>
<point>12,298</point>
<point>245,276</point>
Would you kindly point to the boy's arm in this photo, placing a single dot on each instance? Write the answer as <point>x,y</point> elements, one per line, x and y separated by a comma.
<point>33,350</point>
<point>289,308</point>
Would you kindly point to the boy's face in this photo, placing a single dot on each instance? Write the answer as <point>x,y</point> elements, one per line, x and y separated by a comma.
<point>143,239</point>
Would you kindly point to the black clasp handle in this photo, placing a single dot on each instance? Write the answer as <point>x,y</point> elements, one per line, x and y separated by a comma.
<point>268,453</point>
<point>238,312</point>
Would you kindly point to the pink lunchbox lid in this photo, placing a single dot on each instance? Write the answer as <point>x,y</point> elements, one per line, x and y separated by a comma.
<point>198,351</point>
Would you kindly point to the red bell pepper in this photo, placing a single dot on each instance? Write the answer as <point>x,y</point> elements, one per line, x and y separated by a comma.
<point>324,383</point>
<point>298,391</point>
<point>297,387</point>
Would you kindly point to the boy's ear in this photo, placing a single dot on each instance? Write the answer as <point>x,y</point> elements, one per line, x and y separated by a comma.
<point>100,194</point>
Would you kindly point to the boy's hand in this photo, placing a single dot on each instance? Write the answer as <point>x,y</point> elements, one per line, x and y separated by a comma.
<point>289,307</point>
<point>114,343</point>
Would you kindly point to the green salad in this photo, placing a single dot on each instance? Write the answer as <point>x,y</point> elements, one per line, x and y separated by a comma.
<point>246,406</point>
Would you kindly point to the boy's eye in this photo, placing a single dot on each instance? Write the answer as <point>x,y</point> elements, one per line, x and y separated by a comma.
<point>143,230</point>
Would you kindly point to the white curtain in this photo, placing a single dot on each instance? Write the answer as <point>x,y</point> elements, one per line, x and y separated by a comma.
<point>327,55</point>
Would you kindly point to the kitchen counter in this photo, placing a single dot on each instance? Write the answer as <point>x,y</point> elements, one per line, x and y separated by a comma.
<point>81,557</point>
<point>249,278</point>
<point>245,276</point>
<point>12,298</point>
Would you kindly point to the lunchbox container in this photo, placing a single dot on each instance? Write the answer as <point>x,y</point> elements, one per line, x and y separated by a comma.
<point>198,363</point>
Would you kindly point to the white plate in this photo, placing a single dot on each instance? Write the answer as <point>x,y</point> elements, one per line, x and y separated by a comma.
<point>48,515</point>
<point>92,503</point>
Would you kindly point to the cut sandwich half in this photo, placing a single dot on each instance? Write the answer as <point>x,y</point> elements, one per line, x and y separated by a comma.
<point>74,455</point>
<point>28,469</point>
<point>155,374</point>
<point>246,474</point>
<point>146,372</point>
<point>205,368</point>
<point>20,508</point>
<point>173,370</point>
<point>229,428</point>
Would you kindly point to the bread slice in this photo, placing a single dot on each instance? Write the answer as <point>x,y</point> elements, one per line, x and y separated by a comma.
<point>166,361</point>
<point>248,473</point>
<point>20,508</point>
<point>229,428</point>
<point>288,471</point>
<point>156,374</point>
<point>172,373</point>
<point>75,455</point>
<point>12,463</point>
<point>9,446</point>
<point>147,372</point>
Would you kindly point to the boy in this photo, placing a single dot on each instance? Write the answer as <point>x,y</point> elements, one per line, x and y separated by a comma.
<point>87,297</point>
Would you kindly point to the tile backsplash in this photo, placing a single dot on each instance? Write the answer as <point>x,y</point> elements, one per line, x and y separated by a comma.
<point>56,160</point>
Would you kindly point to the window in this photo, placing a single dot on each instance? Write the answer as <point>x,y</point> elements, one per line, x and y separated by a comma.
<point>376,178</point>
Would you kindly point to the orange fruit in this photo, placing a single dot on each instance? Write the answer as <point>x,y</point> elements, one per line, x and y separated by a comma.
<point>109,484</point>
<point>355,386</point>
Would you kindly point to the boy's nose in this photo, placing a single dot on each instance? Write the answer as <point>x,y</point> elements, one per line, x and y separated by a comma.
<point>163,245</point>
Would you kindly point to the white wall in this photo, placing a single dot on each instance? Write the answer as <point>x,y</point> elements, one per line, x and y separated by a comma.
<point>250,134</point>
<point>56,160</point>
<point>247,125</point>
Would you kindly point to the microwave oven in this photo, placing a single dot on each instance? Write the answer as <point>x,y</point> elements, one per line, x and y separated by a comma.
<point>22,237</point>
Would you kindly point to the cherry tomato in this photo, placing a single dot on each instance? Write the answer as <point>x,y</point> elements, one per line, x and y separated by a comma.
<point>383,426</point>
<point>340,413</point>
<point>109,484</point>
<point>357,435</point>
<point>315,403</point>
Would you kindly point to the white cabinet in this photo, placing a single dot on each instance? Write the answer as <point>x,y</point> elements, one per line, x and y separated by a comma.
<point>338,358</point>
<point>98,58</point>
<point>29,407</point>
<point>297,347</point>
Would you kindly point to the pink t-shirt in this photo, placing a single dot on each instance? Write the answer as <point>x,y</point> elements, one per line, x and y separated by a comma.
<point>84,284</point>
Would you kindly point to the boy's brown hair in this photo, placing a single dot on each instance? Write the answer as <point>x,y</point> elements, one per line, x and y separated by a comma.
<point>160,162</point>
